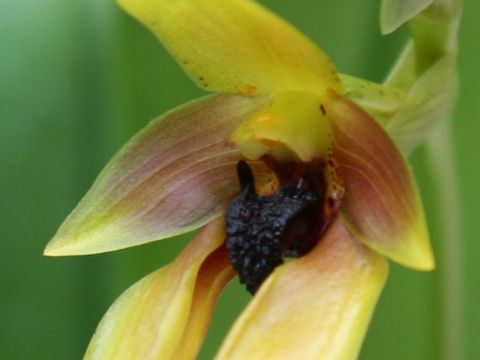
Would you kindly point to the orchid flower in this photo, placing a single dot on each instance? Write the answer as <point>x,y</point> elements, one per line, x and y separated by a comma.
<point>278,163</point>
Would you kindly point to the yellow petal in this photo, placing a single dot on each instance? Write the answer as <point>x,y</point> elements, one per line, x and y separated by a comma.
<point>236,46</point>
<point>317,307</point>
<point>172,177</point>
<point>168,312</point>
<point>381,205</point>
<point>293,127</point>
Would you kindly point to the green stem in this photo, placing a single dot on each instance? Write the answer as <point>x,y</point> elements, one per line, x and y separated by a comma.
<point>441,160</point>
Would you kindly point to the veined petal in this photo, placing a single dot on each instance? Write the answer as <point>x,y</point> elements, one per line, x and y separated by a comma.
<point>167,313</point>
<point>172,177</point>
<point>317,307</point>
<point>381,205</point>
<point>236,46</point>
<point>394,13</point>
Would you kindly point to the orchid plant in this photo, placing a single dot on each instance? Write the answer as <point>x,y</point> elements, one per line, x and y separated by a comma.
<point>287,159</point>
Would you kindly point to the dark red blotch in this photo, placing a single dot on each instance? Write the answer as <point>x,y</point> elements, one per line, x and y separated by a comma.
<point>261,230</point>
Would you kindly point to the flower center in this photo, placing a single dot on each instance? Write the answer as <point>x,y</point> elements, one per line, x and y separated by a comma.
<point>262,230</point>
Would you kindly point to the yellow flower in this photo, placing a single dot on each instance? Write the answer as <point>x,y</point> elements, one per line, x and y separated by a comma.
<point>279,107</point>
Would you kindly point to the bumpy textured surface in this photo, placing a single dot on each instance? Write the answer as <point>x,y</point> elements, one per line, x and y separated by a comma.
<point>256,227</point>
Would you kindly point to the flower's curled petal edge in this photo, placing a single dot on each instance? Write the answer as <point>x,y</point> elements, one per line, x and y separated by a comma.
<point>394,13</point>
<point>167,313</point>
<point>381,205</point>
<point>316,307</point>
<point>172,177</point>
<point>236,46</point>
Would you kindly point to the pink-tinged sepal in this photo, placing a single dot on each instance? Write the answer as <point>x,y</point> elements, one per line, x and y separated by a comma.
<point>174,176</point>
<point>381,205</point>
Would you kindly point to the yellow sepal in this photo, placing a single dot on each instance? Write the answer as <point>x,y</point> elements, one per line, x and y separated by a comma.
<point>316,307</point>
<point>166,314</point>
<point>236,46</point>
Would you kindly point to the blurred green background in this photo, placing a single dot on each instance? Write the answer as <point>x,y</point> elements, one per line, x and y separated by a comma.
<point>78,78</point>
